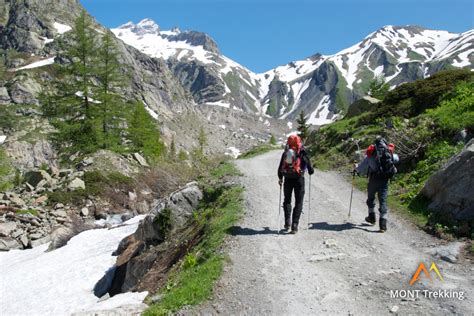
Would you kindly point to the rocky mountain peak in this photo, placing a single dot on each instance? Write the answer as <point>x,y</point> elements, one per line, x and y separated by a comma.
<point>197,39</point>
<point>145,26</point>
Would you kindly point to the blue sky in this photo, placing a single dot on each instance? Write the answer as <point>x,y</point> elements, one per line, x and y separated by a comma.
<point>263,34</point>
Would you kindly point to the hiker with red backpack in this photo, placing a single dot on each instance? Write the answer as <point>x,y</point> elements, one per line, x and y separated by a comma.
<point>293,164</point>
<point>379,166</point>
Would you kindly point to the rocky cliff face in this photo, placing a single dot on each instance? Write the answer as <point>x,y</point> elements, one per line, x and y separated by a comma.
<point>26,24</point>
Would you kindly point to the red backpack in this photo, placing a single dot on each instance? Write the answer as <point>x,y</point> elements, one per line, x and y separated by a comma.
<point>291,165</point>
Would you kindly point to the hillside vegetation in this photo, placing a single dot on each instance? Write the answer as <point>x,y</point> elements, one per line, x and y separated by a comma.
<point>428,120</point>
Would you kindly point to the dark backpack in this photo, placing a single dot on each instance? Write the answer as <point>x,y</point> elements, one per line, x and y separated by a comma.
<point>385,163</point>
<point>291,165</point>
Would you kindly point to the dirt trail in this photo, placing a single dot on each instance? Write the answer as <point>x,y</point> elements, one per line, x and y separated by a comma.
<point>336,266</point>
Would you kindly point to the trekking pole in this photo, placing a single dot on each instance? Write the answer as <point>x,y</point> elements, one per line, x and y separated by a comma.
<point>352,191</point>
<point>309,201</point>
<point>279,211</point>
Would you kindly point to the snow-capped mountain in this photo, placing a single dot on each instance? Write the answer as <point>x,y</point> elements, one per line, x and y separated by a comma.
<point>321,86</point>
<point>196,61</point>
<point>325,85</point>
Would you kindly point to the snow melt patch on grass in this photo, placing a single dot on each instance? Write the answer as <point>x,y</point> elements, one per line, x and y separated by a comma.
<point>61,282</point>
<point>40,63</point>
<point>61,28</point>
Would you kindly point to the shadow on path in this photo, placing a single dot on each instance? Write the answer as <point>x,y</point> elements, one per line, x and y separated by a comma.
<point>341,227</point>
<point>244,231</point>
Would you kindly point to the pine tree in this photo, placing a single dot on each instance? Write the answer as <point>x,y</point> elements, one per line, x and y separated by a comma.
<point>71,107</point>
<point>144,134</point>
<point>111,80</point>
<point>303,127</point>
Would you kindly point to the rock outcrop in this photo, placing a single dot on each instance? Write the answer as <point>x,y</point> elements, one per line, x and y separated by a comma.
<point>140,256</point>
<point>451,188</point>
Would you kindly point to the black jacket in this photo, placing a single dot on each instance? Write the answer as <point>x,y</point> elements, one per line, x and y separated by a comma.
<point>305,160</point>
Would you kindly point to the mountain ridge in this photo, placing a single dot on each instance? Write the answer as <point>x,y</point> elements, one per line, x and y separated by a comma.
<point>396,53</point>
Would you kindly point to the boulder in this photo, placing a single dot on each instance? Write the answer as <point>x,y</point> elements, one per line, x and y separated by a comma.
<point>17,201</point>
<point>7,228</point>
<point>450,189</point>
<point>132,260</point>
<point>41,200</point>
<point>140,159</point>
<point>4,96</point>
<point>25,92</point>
<point>25,155</point>
<point>24,240</point>
<point>7,243</point>
<point>85,211</point>
<point>36,176</point>
<point>183,202</point>
<point>39,242</point>
<point>59,213</point>
<point>76,183</point>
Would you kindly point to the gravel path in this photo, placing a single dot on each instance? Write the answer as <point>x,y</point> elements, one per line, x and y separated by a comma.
<point>334,265</point>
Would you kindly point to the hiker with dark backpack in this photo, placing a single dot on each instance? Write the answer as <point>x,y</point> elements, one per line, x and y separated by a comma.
<point>293,164</point>
<point>379,166</point>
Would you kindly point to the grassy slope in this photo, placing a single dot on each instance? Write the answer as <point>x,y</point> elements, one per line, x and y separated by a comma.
<point>422,118</point>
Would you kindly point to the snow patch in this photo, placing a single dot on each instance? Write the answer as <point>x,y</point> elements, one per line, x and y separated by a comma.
<point>61,28</point>
<point>222,126</point>
<point>233,152</point>
<point>319,116</point>
<point>2,139</point>
<point>290,125</point>
<point>464,59</point>
<point>298,89</point>
<point>61,282</point>
<point>219,103</point>
<point>37,64</point>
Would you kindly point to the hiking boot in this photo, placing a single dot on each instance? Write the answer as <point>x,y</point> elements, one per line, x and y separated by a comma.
<point>383,225</point>
<point>286,228</point>
<point>294,229</point>
<point>371,218</point>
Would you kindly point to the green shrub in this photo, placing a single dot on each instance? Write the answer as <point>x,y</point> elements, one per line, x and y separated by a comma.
<point>456,111</point>
<point>190,261</point>
<point>164,220</point>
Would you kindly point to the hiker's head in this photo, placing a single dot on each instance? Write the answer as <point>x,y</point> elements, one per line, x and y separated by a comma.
<point>294,142</point>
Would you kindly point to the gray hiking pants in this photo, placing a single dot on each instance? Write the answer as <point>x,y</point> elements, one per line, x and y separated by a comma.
<point>379,187</point>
